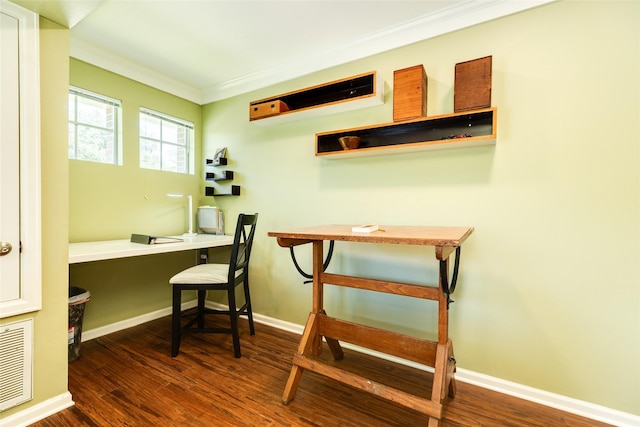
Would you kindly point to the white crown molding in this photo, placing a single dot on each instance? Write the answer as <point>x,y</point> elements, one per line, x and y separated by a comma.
<point>91,54</point>
<point>459,16</point>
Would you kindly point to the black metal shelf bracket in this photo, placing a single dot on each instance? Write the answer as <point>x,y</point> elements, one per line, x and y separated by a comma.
<point>325,264</point>
<point>447,288</point>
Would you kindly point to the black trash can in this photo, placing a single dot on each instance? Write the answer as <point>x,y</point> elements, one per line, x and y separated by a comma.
<point>77,299</point>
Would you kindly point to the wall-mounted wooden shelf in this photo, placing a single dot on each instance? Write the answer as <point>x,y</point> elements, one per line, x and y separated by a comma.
<point>360,91</point>
<point>224,175</point>
<point>467,129</point>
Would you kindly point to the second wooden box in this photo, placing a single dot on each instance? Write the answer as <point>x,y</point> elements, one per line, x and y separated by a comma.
<point>409,93</point>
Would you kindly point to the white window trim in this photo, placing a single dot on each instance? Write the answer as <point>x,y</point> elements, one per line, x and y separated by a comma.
<point>181,122</point>
<point>118,129</point>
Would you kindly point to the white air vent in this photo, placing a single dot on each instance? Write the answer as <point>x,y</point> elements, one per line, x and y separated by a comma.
<point>16,344</point>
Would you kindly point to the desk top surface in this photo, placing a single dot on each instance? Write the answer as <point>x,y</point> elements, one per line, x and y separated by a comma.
<point>395,234</point>
<point>111,249</point>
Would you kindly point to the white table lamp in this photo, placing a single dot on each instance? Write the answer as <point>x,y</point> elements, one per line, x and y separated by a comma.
<point>190,233</point>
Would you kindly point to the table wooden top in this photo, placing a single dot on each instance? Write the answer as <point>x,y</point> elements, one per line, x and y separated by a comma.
<point>395,234</point>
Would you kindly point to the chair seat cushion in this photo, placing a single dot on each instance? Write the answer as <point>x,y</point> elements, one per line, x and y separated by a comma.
<point>203,274</point>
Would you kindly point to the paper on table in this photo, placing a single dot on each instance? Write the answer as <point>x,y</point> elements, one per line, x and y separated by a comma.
<point>367,228</point>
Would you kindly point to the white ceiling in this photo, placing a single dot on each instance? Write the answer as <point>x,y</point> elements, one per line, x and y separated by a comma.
<point>207,50</point>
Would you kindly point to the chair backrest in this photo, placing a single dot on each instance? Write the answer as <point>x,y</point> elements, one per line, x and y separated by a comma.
<point>242,244</point>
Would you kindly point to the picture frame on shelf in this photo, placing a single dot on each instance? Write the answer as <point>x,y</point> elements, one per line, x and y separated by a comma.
<point>220,153</point>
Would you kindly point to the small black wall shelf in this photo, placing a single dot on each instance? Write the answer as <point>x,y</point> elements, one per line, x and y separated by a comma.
<point>210,191</point>
<point>225,175</point>
<point>222,161</point>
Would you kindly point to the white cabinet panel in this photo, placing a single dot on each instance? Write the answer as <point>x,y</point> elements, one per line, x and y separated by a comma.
<point>20,222</point>
<point>9,161</point>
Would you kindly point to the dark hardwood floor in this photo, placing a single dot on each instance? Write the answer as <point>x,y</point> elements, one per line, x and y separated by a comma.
<point>128,379</point>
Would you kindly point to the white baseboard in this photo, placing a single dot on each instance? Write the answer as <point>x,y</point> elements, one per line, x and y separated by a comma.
<point>563,403</point>
<point>557,401</point>
<point>38,412</point>
<point>134,321</point>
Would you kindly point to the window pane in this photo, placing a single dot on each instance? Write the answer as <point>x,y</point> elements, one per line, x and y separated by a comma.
<point>182,159</point>
<point>72,107</point>
<point>183,135</point>
<point>94,133</point>
<point>169,132</point>
<point>72,141</point>
<point>166,143</point>
<point>150,126</point>
<point>94,113</point>
<point>95,144</point>
<point>169,158</point>
<point>149,154</point>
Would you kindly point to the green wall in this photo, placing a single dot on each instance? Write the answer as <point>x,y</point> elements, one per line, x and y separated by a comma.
<point>549,289</point>
<point>111,202</point>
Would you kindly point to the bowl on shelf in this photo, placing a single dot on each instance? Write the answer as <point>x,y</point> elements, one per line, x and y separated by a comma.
<point>349,142</point>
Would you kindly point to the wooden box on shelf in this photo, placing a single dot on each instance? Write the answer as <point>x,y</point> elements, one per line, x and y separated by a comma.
<point>267,109</point>
<point>472,86</point>
<point>409,93</point>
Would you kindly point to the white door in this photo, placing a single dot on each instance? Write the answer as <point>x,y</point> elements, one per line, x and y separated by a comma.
<point>20,222</point>
<point>9,161</point>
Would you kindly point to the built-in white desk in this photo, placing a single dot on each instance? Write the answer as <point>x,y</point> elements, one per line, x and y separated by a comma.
<point>111,249</point>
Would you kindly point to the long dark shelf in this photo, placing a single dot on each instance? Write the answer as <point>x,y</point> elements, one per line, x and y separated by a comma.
<point>438,132</point>
<point>331,92</point>
<point>358,91</point>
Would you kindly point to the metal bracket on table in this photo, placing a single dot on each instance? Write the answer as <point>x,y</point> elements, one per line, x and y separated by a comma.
<point>447,288</point>
<point>324,265</point>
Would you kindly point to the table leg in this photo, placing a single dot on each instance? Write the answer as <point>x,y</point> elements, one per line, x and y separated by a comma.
<point>305,347</point>
<point>443,312</point>
<point>443,379</point>
<point>336,349</point>
<point>444,383</point>
<point>311,342</point>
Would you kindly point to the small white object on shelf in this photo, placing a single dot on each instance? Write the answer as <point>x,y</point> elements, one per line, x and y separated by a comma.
<point>367,228</point>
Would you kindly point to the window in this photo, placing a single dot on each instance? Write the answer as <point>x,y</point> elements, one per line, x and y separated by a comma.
<point>166,143</point>
<point>94,127</point>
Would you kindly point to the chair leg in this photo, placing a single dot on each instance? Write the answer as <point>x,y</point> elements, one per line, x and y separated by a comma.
<point>247,298</point>
<point>233,318</point>
<point>175,321</point>
<point>201,299</point>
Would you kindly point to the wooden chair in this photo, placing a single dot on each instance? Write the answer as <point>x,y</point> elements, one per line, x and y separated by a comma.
<point>227,277</point>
